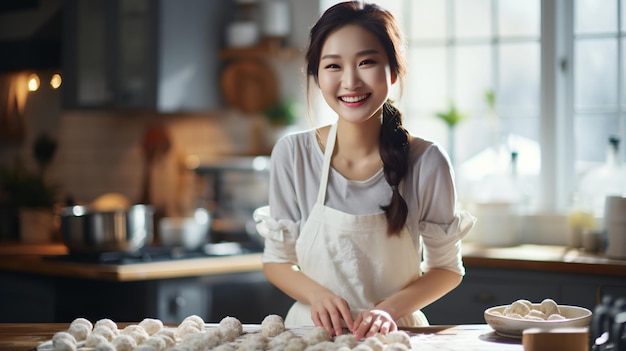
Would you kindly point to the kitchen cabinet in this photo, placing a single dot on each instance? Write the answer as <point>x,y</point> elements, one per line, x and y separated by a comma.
<point>34,298</point>
<point>487,287</point>
<point>142,54</point>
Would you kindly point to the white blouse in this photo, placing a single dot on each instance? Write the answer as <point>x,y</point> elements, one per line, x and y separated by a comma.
<point>428,189</point>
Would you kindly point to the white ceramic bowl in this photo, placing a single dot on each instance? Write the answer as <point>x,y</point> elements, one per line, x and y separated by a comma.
<point>575,317</point>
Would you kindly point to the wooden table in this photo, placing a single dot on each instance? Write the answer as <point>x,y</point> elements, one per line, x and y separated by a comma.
<point>479,337</point>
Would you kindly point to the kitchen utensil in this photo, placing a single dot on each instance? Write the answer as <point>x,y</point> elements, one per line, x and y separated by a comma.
<point>615,224</point>
<point>86,230</point>
<point>188,232</point>
<point>513,327</point>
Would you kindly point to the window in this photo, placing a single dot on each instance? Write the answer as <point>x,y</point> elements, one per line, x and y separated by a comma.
<point>557,70</point>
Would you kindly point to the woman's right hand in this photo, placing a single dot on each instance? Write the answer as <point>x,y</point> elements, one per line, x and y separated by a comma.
<point>328,310</point>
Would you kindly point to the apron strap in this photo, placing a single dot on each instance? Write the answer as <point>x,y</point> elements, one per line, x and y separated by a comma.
<point>328,154</point>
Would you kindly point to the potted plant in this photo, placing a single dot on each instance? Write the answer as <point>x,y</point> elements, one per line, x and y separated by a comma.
<point>30,193</point>
<point>451,117</point>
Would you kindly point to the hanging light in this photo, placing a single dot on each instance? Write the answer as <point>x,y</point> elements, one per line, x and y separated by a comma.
<point>55,81</point>
<point>33,82</point>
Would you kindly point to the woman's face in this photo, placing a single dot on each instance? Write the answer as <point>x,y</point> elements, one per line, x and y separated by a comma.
<point>354,74</point>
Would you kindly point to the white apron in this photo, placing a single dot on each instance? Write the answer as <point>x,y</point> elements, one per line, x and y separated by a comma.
<point>352,256</point>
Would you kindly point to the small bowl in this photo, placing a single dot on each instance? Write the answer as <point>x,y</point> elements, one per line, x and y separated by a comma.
<point>514,327</point>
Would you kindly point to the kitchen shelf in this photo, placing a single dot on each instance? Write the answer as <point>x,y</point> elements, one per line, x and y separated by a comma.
<point>265,49</point>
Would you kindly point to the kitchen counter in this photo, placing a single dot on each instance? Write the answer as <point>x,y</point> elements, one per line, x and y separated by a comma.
<point>480,337</point>
<point>35,259</point>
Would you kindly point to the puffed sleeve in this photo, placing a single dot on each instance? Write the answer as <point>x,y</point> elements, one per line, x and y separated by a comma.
<point>279,222</point>
<point>279,234</point>
<point>441,226</point>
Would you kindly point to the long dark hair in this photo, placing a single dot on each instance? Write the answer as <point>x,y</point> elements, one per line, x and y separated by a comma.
<point>393,136</point>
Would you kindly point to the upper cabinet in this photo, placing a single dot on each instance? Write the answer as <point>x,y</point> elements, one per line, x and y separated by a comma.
<point>143,54</point>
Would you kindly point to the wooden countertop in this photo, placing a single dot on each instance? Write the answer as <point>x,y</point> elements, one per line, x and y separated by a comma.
<point>32,259</point>
<point>479,337</point>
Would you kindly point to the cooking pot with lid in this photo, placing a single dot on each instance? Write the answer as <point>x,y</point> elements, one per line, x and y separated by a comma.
<point>84,229</point>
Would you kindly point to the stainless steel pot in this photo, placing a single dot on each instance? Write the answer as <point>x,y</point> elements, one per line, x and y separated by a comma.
<point>86,230</point>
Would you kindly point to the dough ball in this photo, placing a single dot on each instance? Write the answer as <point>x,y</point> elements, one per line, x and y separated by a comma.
<point>231,323</point>
<point>64,335</point>
<point>255,338</point>
<point>124,342</point>
<point>105,346</point>
<point>281,339</point>
<point>104,331</point>
<point>296,344</point>
<point>316,335</point>
<point>549,307</point>
<point>346,339</point>
<point>272,325</point>
<point>374,343</point>
<point>527,303</point>
<point>228,334</point>
<point>397,346</point>
<point>151,325</point>
<point>517,307</point>
<point>537,313</point>
<point>133,328</point>
<point>139,337</point>
<point>197,320</point>
<point>94,339</point>
<point>225,347</point>
<point>82,321</point>
<point>64,344</point>
<point>79,331</point>
<point>157,342</point>
<point>252,346</point>
<point>202,341</point>
<point>105,322</point>
<point>556,317</point>
<point>169,335</point>
<point>532,318</point>
<point>399,336</point>
<point>343,348</point>
<point>187,328</point>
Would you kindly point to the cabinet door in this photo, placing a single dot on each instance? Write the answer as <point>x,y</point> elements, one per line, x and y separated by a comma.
<point>109,55</point>
<point>180,298</point>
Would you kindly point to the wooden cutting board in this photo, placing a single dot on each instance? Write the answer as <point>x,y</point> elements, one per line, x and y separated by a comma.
<point>249,85</point>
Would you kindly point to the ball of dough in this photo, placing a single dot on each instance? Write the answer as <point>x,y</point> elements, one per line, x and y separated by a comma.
<point>281,339</point>
<point>187,328</point>
<point>79,331</point>
<point>64,344</point>
<point>549,307</point>
<point>255,338</point>
<point>197,320</point>
<point>517,307</point>
<point>224,347</point>
<point>272,325</point>
<point>63,335</point>
<point>227,334</point>
<point>106,322</point>
<point>151,325</point>
<point>231,323</point>
<point>556,317</point>
<point>346,339</point>
<point>104,331</point>
<point>322,346</point>
<point>168,335</point>
<point>84,321</point>
<point>399,336</point>
<point>132,329</point>
<point>296,344</point>
<point>316,335</point>
<point>362,347</point>
<point>95,339</point>
<point>124,342</point>
<point>139,337</point>
<point>537,313</point>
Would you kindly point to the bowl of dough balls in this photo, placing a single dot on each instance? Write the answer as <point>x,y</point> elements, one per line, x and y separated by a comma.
<point>511,320</point>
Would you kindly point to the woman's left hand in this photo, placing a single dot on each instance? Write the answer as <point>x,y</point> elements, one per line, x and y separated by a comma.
<point>370,322</point>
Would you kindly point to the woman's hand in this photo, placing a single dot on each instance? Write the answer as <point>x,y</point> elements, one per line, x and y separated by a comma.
<point>370,322</point>
<point>328,310</point>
